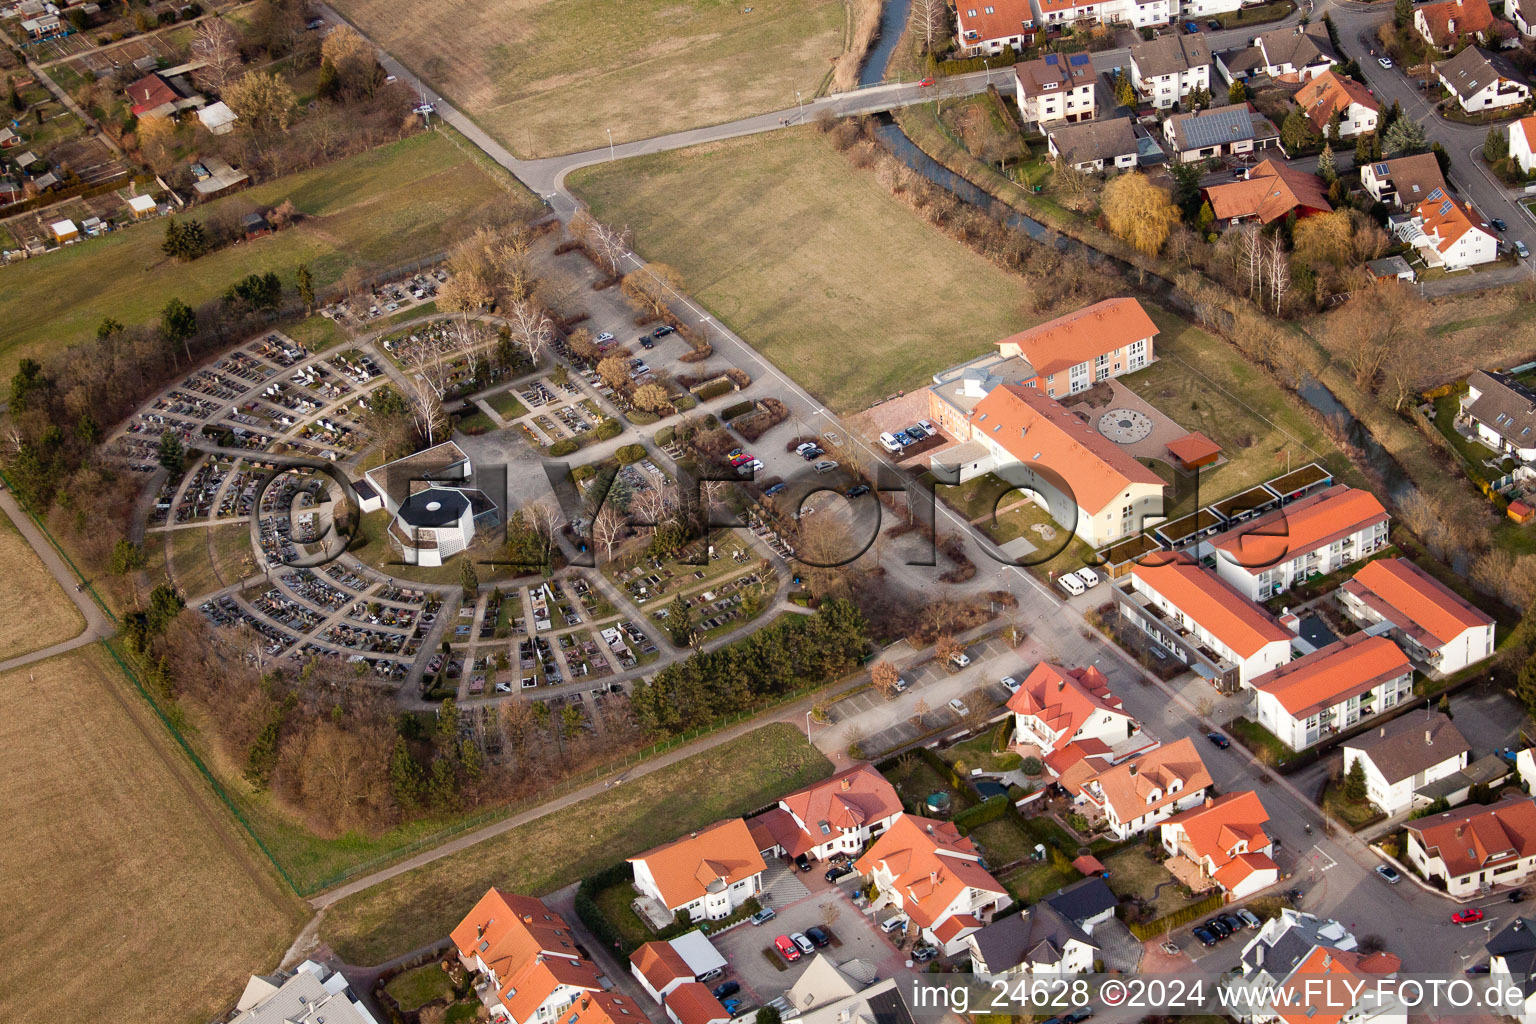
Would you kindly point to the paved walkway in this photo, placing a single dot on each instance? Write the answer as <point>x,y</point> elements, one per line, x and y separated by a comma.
<point>97,625</point>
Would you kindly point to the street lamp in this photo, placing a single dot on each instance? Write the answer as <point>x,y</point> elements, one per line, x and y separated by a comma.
<point>808,727</point>
<point>801,105</point>
<point>610,144</point>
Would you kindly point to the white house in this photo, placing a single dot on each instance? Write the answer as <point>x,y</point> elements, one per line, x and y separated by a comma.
<point>310,994</point>
<point>932,874</point>
<point>708,873</point>
<point>693,1003</point>
<point>1443,24</point>
<point>1304,51</point>
<point>1055,708</point>
<point>1404,182</point>
<point>1521,136</point>
<point>1165,70</point>
<point>1319,534</point>
<point>1203,620</point>
<point>1137,13</point>
<point>1405,755</point>
<point>1222,843</point>
<point>1055,87</point>
<point>1038,940</point>
<point>1504,852</point>
<point>1501,412</point>
<point>1436,626</point>
<point>1330,94</point>
<point>434,515</point>
<point>990,26</point>
<point>659,968</point>
<point>1449,234</point>
<point>1284,941</point>
<point>1512,956</point>
<point>1095,145</point>
<point>1230,130</point>
<point>528,956</point>
<point>1332,689</point>
<point>1481,80</point>
<point>840,815</point>
<point>1133,796</point>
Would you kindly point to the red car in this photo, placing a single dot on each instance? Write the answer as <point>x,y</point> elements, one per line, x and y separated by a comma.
<point>926,82</point>
<point>1471,915</point>
<point>787,948</point>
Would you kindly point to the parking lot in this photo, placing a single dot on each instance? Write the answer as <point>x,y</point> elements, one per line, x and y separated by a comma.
<point>854,936</point>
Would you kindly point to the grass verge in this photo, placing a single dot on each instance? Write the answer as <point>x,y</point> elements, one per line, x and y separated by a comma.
<point>39,612</point>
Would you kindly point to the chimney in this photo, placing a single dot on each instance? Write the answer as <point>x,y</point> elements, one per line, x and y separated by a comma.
<point>1061,684</point>
<point>1328,957</point>
<point>933,878</point>
<point>1459,830</point>
<point>1382,731</point>
<point>847,783</point>
<point>1132,769</point>
<point>1209,802</point>
<point>1429,737</point>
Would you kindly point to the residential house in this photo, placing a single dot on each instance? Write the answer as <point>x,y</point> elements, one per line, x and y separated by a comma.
<point>1403,182</point>
<point>847,993</point>
<point>309,994</point>
<point>1437,627</point>
<point>1284,941</point>
<point>1095,145</point>
<point>708,873</point>
<point>434,516</point>
<point>1442,24</point>
<point>153,96</point>
<point>1316,535</point>
<point>1166,69</point>
<point>1073,352</point>
<point>931,873</point>
<point>604,1008</point>
<point>1083,480</point>
<point>531,967</point>
<point>1138,13</point>
<point>1522,15</point>
<point>1133,796</point>
<point>1501,412</point>
<point>1304,51</point>
<point>1206,8</point>
<point>1522,140</point>
<point>1039,940</point>
<point>659,968</point>
<point>1332,689</point>
<point>1448,233</point>
<point>1056,87</point>
<point>693,1003</point>
<point>1481,80</point>
<point>1087,903</point>
<point>1055,709</point>
<point>1221,131</point>
<point>1512,957</point>
<point>1222,843</point>
<point>1343,981</point>
<point>991,26</point>
<point>1330,94</point>
<point>839,815</point>
<point>1391,268</point>
<point>44,26</point>
<point>1202,620</point>
<point>1405,755</point>
<point>1475,848</point>
<point>1273,190</point>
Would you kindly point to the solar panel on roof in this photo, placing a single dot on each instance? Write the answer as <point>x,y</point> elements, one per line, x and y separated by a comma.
<point>1436,194</point>
<point>1051,59</point>
<point>1077,60</point>
<point>1445,208</point>
<point>1382,169</point>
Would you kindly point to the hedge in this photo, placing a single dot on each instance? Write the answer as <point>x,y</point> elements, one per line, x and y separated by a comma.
<point>565,446</point>
<point>714,389</point>
<point>585,472</point>
<point>630,453</point>
<point>608,430</point>
<point>990,809</point>
<point>665,435</point>
<point>592,916</point>
<point>730,412</point>
<point>642,417</point>
<point>1151,929</point>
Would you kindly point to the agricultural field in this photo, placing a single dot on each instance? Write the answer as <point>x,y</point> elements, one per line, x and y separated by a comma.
<point>51,617</point>
<point>520,68</point>
<point>113,841</point>
<point>377,210</point>
<point>812,262</point>
<point>544,854</point>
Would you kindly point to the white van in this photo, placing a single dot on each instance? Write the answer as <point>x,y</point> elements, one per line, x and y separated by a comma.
<point>889,443</point>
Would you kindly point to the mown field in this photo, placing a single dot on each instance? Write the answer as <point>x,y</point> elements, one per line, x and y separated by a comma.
<point>553,76</point>
<point>539,856</point>
<point>126,892</point>
<point>812,261</point>
<point>38,613</point>
<point>377,210</point>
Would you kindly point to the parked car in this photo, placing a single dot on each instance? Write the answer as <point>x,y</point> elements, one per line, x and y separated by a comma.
<point>1232,921</point>
<point>958,707</point>
<point>1218,927</point>
<point>1077,1017</point>
<point>917,433</point>
<point>731,1006</point>
<point>604,338</point>
<point>1249,918</point>
<point>889,443</point>
<point>837,871</point>
<point>1388,872</point>
<point>857,492</point>
<point>1521,250</point>
<point>960,660</point>
<point>1477,969</point>
<point>893,924</point>
<point>763,916</point>
<point>925,83</point>
<point>663,331</point>
<point>787,948</point>
<point>1385,62</point>
<point>1517,896</point>
<point>802,862</point>
<point>927,426</point>
<point>775,489</point>
<point>825,466</point>
<point>647,343</point>
<point>1071,584</point>
<point>1467,915</point>
<point>1089,578</point>
<point>901,684</point>
<point>1191,27</point>
<point>727,988</point>
<point>1010,684</point>
<point>1221,742</point>
<point>812,453</point>
<point>1206,937</point>
<point>818,936</point>
<point>922,954</point>
<point>1498,225</point>
<point>1213,25</point>
<point>805,944</point>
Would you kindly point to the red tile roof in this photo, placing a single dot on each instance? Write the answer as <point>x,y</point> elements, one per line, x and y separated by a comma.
<point>541,978</point>
<point>1172,772</point>
<point>604,1008</point>
<point>684,868</point>
<point>1469,16</point>
<point>1528,126</point>
<point>1329,92</point>
<point>1329,978</point>
<point>1210,601</point>
<point>1078,337</point>
<point>1418,603</point>
<point>1193,447</point>
<point>151,92</point>
<point>1039,431</point>
<point>1448,218</point>
<point>507,931</point>
<point>1352,666</point>
<point>992,19</point>
<point>1475,838</point>
<point>930,863</point>
<point>1064,699</point>
<point>1271,191</point>
<point>693,1003</point>
<point>660,964</point>
<point>1219,830</point>
<point>1306,525</point>
<point>848,800</point>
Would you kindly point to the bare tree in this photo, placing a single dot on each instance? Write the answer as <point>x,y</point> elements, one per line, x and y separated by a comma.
<point>920,711</point>
<point>1250,247</point>
<point>607,528</point>
<point>946,648</point>
<point>830,912</point>
<point>652,505</point>
<point>607,245</point>
<point>218,47</point>
<point>530,328</point>
<point>545,519</point>
<point>1279,272</point>
<point>929,20</point>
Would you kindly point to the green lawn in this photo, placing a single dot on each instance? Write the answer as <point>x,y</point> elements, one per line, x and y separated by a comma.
<point>556,76</point>
<point>1034,882</point>
<point>1256,15</point>
<point>812,262</point>
<point>915,780</point>
<point>977,752</point>
<point>379,209</point>
<point>1002,841</point>
<point>506,405</point>
<point>1133,873</point>
<point>421,906</point>
<point>416,988</point>
<point>1260,741</point>
<point>616,903</point>
<point>1353,814</point>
